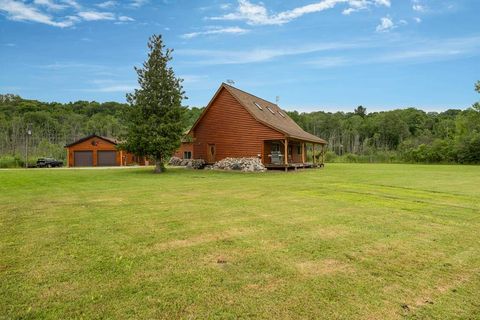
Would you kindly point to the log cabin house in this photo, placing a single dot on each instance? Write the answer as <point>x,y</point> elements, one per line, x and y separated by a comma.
<point>98,151</point>
<point>238,124</point>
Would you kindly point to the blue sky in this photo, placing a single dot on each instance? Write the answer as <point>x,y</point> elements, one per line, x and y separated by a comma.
<point>315,55</point>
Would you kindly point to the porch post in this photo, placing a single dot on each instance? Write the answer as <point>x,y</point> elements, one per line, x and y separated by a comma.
<point>313,153</point>
<point>303,152</point>
<point>323,153</point>
<point>285,160</point>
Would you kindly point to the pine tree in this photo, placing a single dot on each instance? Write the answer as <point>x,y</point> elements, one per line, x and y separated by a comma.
<point>154,118</point>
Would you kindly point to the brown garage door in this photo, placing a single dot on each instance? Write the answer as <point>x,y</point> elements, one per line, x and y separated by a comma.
<point>83,158</point>
<point>106,158</point>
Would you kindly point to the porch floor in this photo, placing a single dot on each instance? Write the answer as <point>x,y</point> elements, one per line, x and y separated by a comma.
<point>294,166</point>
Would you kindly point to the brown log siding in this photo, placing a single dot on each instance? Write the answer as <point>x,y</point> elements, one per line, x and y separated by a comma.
<point>232,129</point>
<point>185,146</point>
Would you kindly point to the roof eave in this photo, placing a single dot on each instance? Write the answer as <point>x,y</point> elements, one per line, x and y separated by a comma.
<point>319,141</point>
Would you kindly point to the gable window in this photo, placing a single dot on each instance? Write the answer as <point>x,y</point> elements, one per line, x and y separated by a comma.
<point>187,155</point>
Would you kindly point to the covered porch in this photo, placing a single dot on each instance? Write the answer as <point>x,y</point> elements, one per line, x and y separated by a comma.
<point>293,154</point>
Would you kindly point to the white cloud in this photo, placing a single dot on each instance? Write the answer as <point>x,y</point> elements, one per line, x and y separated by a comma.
<point>20,11</point>
<point>72,3</point>
<point>385,3</point>
<point>31,12</point>
<point>125,19</point>
<point>329,62</point>
<point>257,55</point>
<point>417,19</point>
<point>51,5</point>
<point>107,4</point>
<point>418,6</point>
<point>71,65</point>
<point>96,16</point>
<point>138,3</point>
<point>386,24</point>
<point>407,51</point>
<point>216,31</point>
<point>225,6</point>
<point>116,88</point>
<point>358,5</point>
<point>191,78</point>
<point>428,51</point>
<point>109,85</point>
<point>257,14</point>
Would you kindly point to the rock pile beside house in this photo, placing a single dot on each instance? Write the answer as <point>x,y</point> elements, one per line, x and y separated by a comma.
<point>174,161</point>
<point>240,164</point>
<point>189,163</point>
<point>195,164</point>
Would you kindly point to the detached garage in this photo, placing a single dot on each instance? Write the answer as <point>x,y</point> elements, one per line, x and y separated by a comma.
<point>98,151</point>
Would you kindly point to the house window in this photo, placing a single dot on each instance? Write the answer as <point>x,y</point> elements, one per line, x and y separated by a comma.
<point>258,106</point>
<point>275,147</point>
<point>269,109</point>
<point>187,155</point>
<point>299,149</point>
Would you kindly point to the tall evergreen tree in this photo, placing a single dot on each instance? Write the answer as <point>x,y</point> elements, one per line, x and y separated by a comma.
<point>154,118</point>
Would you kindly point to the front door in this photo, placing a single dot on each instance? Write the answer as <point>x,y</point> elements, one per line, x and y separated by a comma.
<point>211,153</point>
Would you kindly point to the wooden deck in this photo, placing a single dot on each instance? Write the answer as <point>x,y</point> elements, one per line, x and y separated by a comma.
<point>293,166</point>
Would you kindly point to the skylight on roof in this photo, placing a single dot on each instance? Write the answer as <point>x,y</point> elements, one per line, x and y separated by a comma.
<point>258,106</point>
<point>281,114</point>
<point>273,112</point>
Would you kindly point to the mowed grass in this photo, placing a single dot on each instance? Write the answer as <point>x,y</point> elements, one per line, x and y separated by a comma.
<point>351,241</point>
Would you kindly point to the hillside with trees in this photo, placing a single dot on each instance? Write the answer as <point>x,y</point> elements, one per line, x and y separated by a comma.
<point>402,135</point>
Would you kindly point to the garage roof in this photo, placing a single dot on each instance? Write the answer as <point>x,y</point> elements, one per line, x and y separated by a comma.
<point>110,140</point>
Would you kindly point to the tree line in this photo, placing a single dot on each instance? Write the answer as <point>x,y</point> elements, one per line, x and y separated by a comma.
<point>53,125</point>
<point>403,135</point>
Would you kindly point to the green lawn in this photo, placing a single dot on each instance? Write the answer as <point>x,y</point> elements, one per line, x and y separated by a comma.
<point>352,241</point>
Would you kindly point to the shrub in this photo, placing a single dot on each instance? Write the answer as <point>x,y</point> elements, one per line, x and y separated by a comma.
<point>330,156</point>
<point>11,162</point>
<point>468,149</point>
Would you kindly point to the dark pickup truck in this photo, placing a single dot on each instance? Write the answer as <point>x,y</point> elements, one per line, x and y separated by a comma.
<point>48,163</point>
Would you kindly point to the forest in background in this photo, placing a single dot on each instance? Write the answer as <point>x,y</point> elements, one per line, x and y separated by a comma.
<point>402,135</point>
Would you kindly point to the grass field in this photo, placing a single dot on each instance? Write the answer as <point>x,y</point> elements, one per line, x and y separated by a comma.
<point>347,242</point>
